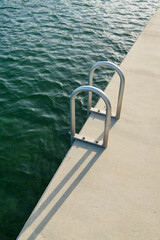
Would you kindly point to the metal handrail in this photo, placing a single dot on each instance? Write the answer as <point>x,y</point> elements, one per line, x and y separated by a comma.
<point>108,112</point>
<point>121,87</point>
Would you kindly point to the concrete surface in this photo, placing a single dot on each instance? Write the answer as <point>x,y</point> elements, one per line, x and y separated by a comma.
<point>112,194</point>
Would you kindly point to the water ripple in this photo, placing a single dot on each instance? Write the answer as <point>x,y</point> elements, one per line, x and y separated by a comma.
<point>46,50</point>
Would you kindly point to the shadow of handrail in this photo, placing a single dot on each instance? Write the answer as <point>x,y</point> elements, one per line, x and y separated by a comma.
<point>90,149</point>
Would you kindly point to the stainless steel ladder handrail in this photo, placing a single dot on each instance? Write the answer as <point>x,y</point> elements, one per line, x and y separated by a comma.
<point>107,119</point>
<point>121,87</point>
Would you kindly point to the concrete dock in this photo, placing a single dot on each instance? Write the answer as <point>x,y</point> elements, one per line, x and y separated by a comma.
<point>112,193</point>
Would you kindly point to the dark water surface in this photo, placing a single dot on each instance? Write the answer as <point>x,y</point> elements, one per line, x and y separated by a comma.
<point>46,50</point>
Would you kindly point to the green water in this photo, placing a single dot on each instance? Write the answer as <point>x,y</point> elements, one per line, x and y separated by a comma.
<point>46,51</point>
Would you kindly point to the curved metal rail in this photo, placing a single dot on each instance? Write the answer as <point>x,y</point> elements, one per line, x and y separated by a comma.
<point>107,119</point>
<point>121,87</point>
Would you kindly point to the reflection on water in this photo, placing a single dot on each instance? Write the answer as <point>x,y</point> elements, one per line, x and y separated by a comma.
<point>46,51</point>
